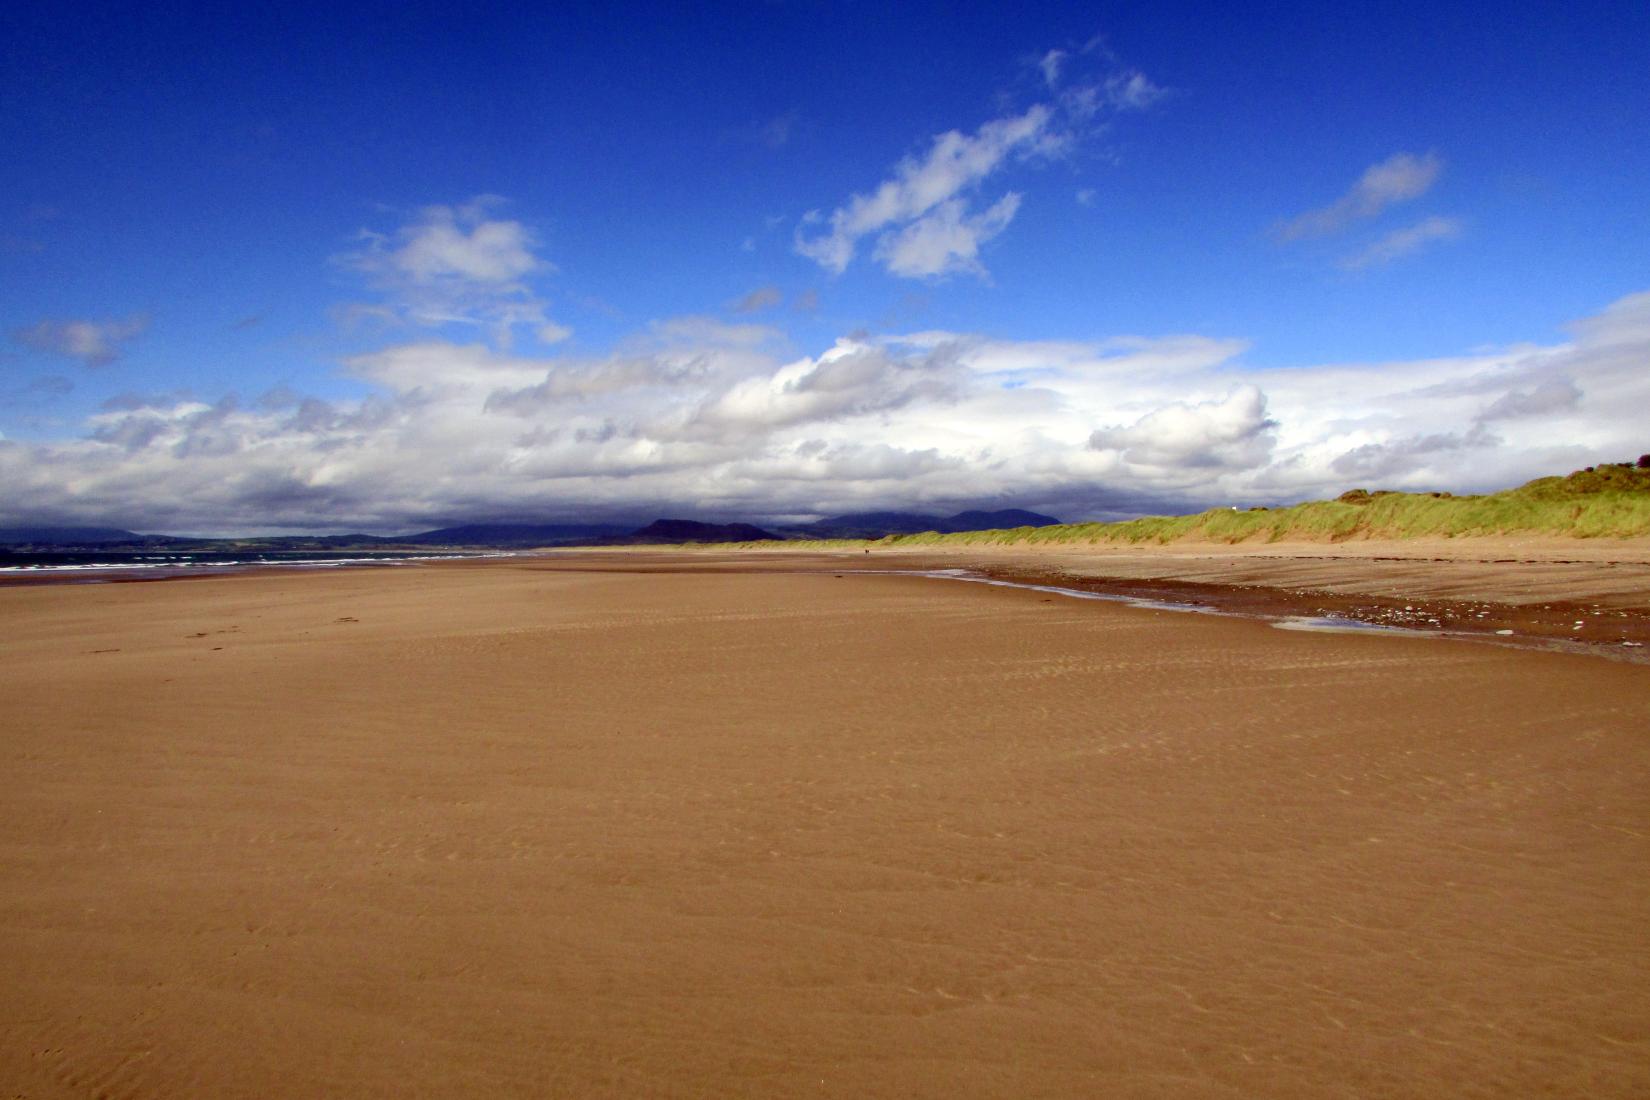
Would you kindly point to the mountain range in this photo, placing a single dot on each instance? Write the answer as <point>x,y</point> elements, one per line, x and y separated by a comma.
<point>874,525</point>
<point>525,535</point>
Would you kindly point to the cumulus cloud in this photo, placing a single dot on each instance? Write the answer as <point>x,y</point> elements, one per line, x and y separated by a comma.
<point>438,367</point>
<point>725,419</point>
<point>850,380</point>
<point>451,245</point>
<point>1402,242</point>
<point>1399,178</point>
<point>1402,455</point>
<point>94,343</point>
<point>1553,395</point>
<point>457,265</point>
<point>922,217</point>
<point>1232,433</point>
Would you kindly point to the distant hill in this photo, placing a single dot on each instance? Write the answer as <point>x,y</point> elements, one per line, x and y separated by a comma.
<point>493,535</point>
<point>687,530</point>
<point>859,525</point>
<point>872,525</point>
<point>993,521</point>
<point>520,536</point>
<point>67,536</point>
<point>512,534</point>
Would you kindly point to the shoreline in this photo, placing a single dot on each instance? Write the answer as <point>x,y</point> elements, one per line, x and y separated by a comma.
<point>126,573</point>
<point>1539,596</point>
<point>1521,593</point>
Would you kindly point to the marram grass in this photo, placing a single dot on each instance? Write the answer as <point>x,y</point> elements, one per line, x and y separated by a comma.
<point>1610,501</point>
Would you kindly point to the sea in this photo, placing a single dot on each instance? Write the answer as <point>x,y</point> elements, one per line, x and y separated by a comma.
<point>90,566</point>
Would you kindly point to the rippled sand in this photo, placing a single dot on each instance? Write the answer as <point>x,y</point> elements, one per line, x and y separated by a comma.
<point>513,829</point>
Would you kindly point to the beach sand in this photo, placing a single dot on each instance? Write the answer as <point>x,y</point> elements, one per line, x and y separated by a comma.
<point>1584,594</point>
<point>585,826</point>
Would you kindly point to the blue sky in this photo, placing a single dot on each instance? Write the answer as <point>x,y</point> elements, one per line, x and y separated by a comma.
<point>358,266</point>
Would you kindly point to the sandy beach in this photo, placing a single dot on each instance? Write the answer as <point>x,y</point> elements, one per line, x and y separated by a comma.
<point>1579,595</point>
<point>696,825</point>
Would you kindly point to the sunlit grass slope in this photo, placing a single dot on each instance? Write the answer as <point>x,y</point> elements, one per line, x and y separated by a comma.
<point>1611,501</point>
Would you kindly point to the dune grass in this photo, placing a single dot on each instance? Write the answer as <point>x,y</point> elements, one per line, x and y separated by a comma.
<point>1611,501</point>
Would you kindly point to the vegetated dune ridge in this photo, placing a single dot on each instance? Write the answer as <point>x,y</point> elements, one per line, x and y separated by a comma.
<point>572,827</point>
<point>1603,502</point>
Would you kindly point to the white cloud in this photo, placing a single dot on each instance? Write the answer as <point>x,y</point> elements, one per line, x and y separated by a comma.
<point>1400,455</point>
<point>1550,396</point>
<point>1233,432</point>
<point>457,265</point>
<point>851,379</point>
<point>1051,63</point>
<point>1132,91</point>
<point>922,214</point>
<point>1625,323</point>
<point>945,241</point>
<point>438,367</point>
<point>552,333</point>
<point>460,245</point>
<point>94,343</point>
<point>708,331</point>
<point>1402,242</point>
<point>953,162</point>
<point>721,417</point>
<point>1399,178</point>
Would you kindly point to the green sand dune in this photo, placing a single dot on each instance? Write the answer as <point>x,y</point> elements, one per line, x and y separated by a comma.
<point>1610,501</point>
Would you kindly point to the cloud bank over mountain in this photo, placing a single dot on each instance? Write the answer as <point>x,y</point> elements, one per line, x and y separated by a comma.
<point>726,420</point>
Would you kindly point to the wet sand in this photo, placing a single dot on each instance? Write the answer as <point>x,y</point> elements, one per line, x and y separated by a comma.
<point>1585,595</point>
<point>521,828</point>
